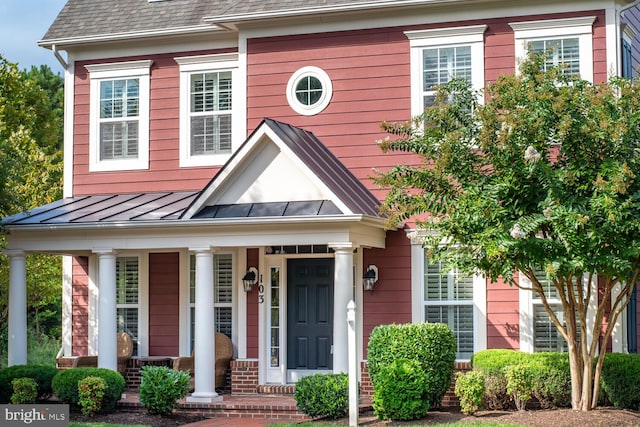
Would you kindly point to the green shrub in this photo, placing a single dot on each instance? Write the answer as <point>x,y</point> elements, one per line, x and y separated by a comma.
<point>90,394</point>
<point>470,389</point>
<point>42,374</point>
<point>161,388</point>
<point>400,392</point>
<point>25,390</point>
<point>433,345</point>
<point>65,386</point>
<point>520,384</point>
<point>551,384</point>
<point>620,380</point>
<point>323,395</point>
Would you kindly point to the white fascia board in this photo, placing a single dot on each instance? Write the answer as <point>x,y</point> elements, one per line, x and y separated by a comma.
<point>350,7</point>
<point>96,38</point>
<point>363,231</point>
<point>441,12</point>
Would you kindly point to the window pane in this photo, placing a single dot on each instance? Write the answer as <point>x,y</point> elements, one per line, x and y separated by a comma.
<point>565,52</point>
<point>309,90</point>
<point>545,333</point>
<point>210,134</point>
<point>128,322</point>
<point>442,286</point>
<point>118,140</point>
<point>127,280</point>
<point>460,319</point>
<point>223,271</point>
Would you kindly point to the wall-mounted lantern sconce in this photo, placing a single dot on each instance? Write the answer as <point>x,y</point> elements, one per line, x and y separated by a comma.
<point>370,278</point>
<point>250,279</point>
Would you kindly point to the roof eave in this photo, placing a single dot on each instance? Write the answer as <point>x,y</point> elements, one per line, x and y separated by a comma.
<point>230,20</point>
<point>181,223</point>
<point>102,38</point>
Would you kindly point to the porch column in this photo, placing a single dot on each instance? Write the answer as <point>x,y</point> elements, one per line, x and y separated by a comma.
<point>204,336</point>
<point>342,294</point>
<point>107,310</point>
<point>17,340</point>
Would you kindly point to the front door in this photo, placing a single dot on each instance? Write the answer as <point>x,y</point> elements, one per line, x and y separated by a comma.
<point>310,314</point>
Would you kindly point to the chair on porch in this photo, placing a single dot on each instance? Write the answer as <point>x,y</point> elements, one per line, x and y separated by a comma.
<point>224,353</point>
<point>124,350</point>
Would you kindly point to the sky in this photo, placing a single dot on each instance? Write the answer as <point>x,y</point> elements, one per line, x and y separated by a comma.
<point>22,24</point>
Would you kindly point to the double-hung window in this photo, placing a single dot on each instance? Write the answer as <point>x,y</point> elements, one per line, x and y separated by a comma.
<point>206,109</point>
<point>222,297</point>
<point>568,42</point>
<point>449,297</point>
<point>537,331</point>
<point>441,55</point>
<point>119,116</point>
<point>128,297</point>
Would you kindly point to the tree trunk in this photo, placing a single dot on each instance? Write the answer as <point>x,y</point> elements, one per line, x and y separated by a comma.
<point>576,377</point>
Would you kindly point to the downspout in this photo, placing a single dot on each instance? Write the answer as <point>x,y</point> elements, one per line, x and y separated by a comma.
<point>619,34</point>
<point>61,60</point>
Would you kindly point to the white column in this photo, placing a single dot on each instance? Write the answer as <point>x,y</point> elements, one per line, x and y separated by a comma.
<point>204,340</point>
<point>107,310</point>
<point>353,364</point>
<point>342,294</point>
<point>17,341</point>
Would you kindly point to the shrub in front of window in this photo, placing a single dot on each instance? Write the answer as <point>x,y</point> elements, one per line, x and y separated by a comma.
<point>551,385</point>
<point>90,393</point>
<point>25,390</point>
<point>42,374</point>
<point>65,386</point>
<point>433,345</point>
<point>621,380</point>
<point>520,384</point>
<point>323,395</point>
<point>401,391</point>
<point>161,388</point>
<point>470,389</point>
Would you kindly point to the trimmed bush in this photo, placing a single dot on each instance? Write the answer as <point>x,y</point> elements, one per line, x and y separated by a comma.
<point>520,384</point>
<point>65,386</point>
<point>470,389</point>
<point>433,345</point>
<point>90,393</point>
<point>551,383</point>
<point>42,374</point>
<point>620,380</point>
<point>161,388</point>
<point>323,395</point>
<point>25,390</point>
<point>400,391</point>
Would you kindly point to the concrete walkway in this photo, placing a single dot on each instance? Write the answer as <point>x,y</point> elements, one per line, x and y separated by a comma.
<point>239,422</point>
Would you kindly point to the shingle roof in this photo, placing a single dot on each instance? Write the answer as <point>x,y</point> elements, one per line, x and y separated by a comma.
<point>102,18</point>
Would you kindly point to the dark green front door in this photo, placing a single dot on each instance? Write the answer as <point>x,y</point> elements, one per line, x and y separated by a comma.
<point>310,313</point>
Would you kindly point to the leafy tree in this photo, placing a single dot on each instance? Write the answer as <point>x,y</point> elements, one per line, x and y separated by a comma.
<point>31,117</point>
<point>544,175</point>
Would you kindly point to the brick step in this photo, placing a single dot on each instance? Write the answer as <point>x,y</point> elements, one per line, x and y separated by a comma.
<point>277,389</point>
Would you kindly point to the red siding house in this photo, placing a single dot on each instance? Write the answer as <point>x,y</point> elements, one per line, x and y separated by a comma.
<point>205,140</point>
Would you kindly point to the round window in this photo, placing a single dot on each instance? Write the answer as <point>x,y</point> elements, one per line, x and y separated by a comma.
<point>309,91</point>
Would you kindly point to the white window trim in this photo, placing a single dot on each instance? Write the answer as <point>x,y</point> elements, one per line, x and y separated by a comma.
<point>119,70</point>
<point>417,296</point>
<point>327,92</point>
<point>582,28</point>
<point>472,36</point>
<point>526,312</point>
<point>199,64</point>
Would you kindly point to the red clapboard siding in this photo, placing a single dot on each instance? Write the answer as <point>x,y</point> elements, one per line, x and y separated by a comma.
<point>164,293</point>
<point>252,307</point>
<point>503,318</point>
<point>390,300</point>
<point>164,125</point>
<point>80,309</point>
